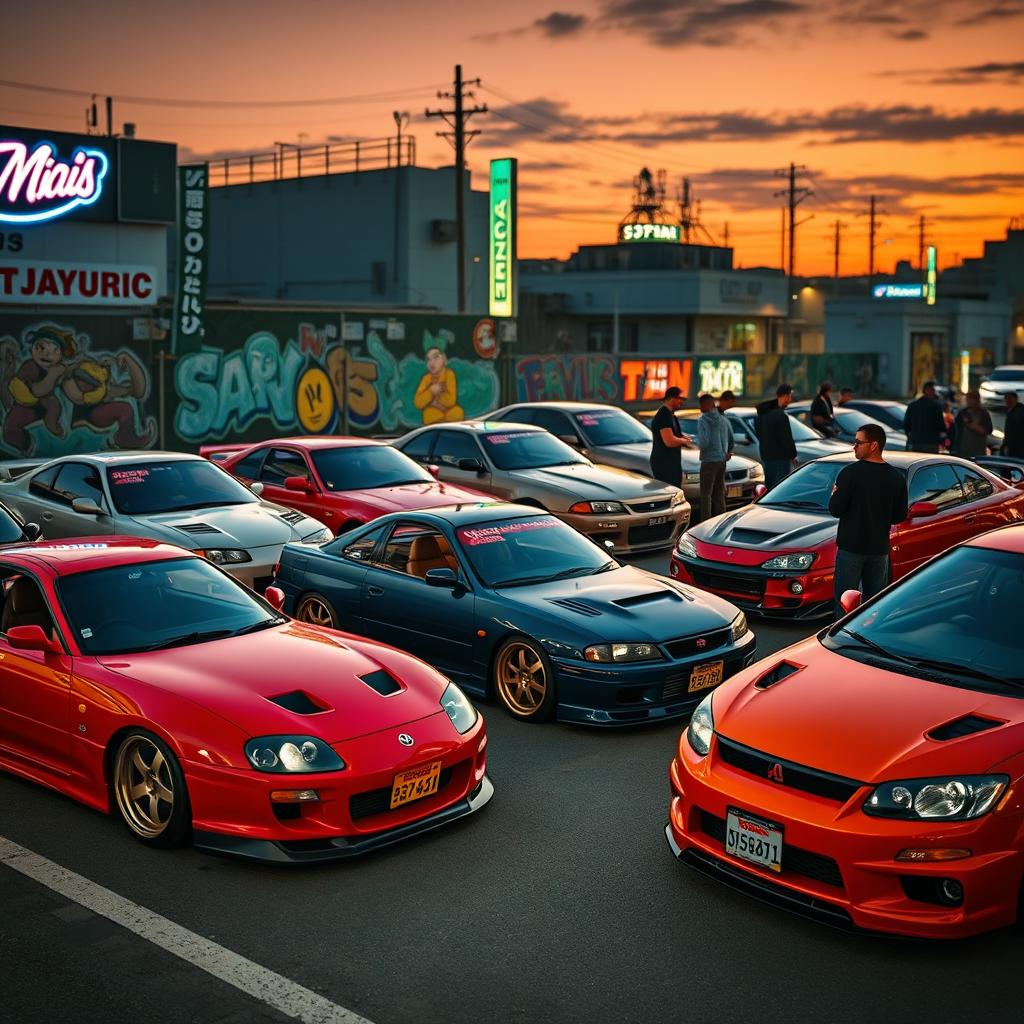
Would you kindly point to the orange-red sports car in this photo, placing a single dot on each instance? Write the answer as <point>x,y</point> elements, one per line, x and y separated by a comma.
<point>873,775</point>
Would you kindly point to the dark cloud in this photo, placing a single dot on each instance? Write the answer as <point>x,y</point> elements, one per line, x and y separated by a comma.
<point>1002,73</point>
<point>991,13</point>
<point>695,22</point>
<point>910,35</point>
<point>559,24</point>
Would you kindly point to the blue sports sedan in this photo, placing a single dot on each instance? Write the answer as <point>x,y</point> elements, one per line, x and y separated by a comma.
<point>511,601</point>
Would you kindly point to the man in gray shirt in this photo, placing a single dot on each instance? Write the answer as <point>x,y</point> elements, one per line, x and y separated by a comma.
<point>714,438</point>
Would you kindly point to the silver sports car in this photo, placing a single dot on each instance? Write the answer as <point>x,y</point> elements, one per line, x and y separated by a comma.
<point>184,499</point>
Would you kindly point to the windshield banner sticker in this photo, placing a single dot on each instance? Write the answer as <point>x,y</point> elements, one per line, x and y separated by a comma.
<point>128,476</point>
<point>473,536</point>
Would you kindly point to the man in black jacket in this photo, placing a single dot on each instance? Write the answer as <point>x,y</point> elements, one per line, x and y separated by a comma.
<point>822,417</point>
<point>923,422</point>
<point>1013,430</point>
<point>775,436</point>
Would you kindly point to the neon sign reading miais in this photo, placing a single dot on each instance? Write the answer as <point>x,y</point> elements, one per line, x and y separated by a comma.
<point>40,178</point>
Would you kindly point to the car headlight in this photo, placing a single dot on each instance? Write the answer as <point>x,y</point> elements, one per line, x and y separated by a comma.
<point>678,498</point>
<point>802,560</point>
<point>622,652</point>
<point>691,478</point>
<point>957,797</point>
<point>458,708</point>
<point>739,628</point>
<point>226,556</point>
<point>757,471</point>
<point>319,537</point>
<point>286,755</point>
<point>601,508</point>
<point>701,727</point>
<point>686,548</point>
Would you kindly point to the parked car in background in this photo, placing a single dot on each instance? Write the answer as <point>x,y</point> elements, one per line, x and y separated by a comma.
<point>611,437</point>
<point>890,414</point>
<point>848,421</point>
<point>777,557</point>
<point>510,601</point>
<point>1000,381</point>
<point>343,481</point>
<point>167,496</point>
<point>527,465</point>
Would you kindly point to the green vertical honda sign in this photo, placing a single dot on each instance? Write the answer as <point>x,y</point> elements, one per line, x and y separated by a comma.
<point>193,255</point>
<point>931,277</point>
<point>502,294</point>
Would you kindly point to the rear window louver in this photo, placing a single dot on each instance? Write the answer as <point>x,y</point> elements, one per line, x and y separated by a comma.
<point>962,727</point>
<point>382,682</point>
<point>299,703</point>
<point>196,528</point>
<point>777,674</point>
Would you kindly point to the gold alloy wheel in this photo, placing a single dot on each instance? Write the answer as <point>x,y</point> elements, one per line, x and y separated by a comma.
<point>315,611</point>
<point>144,787</point>
<point>521,679</point>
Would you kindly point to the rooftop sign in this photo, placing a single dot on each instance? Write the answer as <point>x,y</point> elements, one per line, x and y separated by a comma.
<point>898,291</point>
<point>38,184</point>
<point>648,232</point>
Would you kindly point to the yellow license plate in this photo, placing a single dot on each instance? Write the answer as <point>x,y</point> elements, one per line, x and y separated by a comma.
<point>705,676</point>
<point>417,783</point>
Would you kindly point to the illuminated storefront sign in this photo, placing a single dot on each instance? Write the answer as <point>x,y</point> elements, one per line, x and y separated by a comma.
<point>646,380</point>
<point>718,375</point>
<point>502,290</point>
<point>77,284</point>
<point>37,185</point>
<point>898,291</point>
<point>648,232</point>
<point>931,278</point>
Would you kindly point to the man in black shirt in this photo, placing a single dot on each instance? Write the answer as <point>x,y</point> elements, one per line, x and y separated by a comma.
<point>775,436</point>
<point>923,422</point>
<point>822,417</point>
<point>868,498</point>
<point>667,438</point>
<point>1013,429</point>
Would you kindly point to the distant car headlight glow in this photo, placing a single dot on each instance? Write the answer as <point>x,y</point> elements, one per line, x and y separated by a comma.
<point>226,556</point>
<point>686,548</point>
<point>622,652</point>
<point>959,797</point>
<point>458,708</point>
<point>701,727</point>
<point>285,755</point>
<point>800,561</point>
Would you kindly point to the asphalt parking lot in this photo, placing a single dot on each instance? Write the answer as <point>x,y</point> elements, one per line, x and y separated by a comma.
<point>558,902</point>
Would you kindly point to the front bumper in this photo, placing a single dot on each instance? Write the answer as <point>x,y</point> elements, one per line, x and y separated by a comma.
<point>635,531</point>
<point>764,592</point>
<point>838,864</point>
<point>608,695</point>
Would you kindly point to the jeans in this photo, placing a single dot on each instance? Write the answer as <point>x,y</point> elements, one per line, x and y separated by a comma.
<point>712,489</point>
<point>776,470</point>
<point>867,573</point>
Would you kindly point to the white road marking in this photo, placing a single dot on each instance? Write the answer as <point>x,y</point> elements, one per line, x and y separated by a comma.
<point>262,984</point>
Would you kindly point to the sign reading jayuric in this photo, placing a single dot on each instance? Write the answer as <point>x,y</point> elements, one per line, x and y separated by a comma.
<point>193,258</point>
<point>502,293</point>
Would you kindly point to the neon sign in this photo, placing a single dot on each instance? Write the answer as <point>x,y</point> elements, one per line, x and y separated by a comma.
<point>503,227</point>
<point>649,233</point>
<point>49,185</point>
<point>899,291</point>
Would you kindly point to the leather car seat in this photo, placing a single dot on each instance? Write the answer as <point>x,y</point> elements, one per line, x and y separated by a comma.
<point>431,551</point>
<point>25,607</point>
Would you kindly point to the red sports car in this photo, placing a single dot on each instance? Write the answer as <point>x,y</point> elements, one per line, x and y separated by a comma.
<point>873,775</point>
<point>347,480</point>
<point>777,556</point>
<point>143,680</point>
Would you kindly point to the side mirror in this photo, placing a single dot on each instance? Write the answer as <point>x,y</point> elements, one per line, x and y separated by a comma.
<point>760,491</point>
<point>850,601</point>
<point>275,597</point>
<point>257,489</point>
<point>570,439</point>
<point>472,466</point>
<point>922,509</point>
<point>32,638</point>
<point>86,507</point>
<point>434,471</point>
<point>33,532</point>
<point>298,483</point>
<point>442,578</point>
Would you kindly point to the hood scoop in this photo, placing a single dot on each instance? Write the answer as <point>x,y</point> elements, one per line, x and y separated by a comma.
<point>298,702</point>
<point>963,726</point>
<point>292,517</point>
<point>195,528</point>
<point>382,682</point>
<point>777,674</point>
<point>742,536</point>
<point>654,595</point>
<point>579,607</point>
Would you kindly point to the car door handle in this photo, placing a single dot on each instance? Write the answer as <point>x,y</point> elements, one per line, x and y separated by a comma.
<point>375,591</point>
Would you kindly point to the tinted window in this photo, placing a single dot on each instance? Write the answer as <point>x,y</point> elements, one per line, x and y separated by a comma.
<point>10,528</point>
<point>282,464</point>
<point>144,487</point>
<point>362,549</point>
<point>365,467</point>
<point>611,426</point>
<point>974,484</point>
<point>528,449</point>
<point>249,467</point>
<point>453,445</point>
<point>414,549</point>
<point>80,480</point>
<point>554,421</point>
<point>937,484</point>
<point>809,487</point>
<point>419,446</point>
<point>23,604</point>
<point>802,432</point>
<point>1008,373</point>
<point>42,482</point>
<point>851,420</point>
<point>521,415</point>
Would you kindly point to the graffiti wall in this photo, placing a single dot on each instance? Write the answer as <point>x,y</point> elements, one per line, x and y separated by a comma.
<point>75,383</point>
<point>260,373</point>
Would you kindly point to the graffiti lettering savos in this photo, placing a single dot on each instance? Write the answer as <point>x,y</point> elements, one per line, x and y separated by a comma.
<point>567,378</point>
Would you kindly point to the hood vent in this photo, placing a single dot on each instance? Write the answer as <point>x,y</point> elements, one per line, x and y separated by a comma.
<point>962,727</point>
<point>195,528</point>
<point>382,682</point>
<point>580,607</point>
<point>292,517</point>
<point>742,536</point>
<point>298,702</point>
<point>777,674</point>
<point>654,595</point>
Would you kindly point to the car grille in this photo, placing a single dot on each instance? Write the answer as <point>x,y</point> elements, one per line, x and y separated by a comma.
<point>660,534</point>
<point>658,505</point>
<point>752,586</point>
<point>690,645</point>
<point>735,474</point>
<point>378,801</point>
<point>795,776</point>
<point>794,860</point>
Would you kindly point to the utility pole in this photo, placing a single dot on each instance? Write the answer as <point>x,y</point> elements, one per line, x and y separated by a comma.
<point>401,118</point>
<point>922,226</point>
<point>725,235</point>
<point>872,229</point>
<point>835,256</point>
<point>459,138</point>
<point>110,115</point>
<point>782,243</point>
<point>795,195</point>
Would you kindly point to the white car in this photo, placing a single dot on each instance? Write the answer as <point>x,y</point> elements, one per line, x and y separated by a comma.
<point>167,496</point>
<point>998,383</point>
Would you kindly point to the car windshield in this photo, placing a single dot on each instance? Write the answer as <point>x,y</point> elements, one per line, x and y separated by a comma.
<point>957,617</point>
<point>1007,373</point>
<point>851,420</point>
<point>809,487</point>
<point>143,488</point>
<point>150,605</point>
<point>10,530</point>
<point>890,415</point>
<point>530,549</point>
<point>365,467</point>
<point>611,426</point>
<point>800,430</point>
<point>528,449</point>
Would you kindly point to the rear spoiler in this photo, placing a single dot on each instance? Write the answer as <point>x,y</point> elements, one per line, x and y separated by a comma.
<point>11,469</point>
<point>219,452</point>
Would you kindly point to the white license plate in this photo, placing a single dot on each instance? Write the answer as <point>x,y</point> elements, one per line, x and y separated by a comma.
<point>753,839</point>
<point>657,520</point>
<point>734,492</point>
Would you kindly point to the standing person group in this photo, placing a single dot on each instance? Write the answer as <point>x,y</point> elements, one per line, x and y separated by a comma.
<point>715,440</point>
<point>775,435</point>
<point>923,422</point>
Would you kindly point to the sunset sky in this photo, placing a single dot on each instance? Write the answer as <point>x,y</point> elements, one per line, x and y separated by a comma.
<point>921,103</point>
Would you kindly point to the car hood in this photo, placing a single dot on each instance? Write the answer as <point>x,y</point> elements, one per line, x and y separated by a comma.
<point>404,497</point>
<point>764,529</point>
<point>238,677</point>
<point>601,483</point>
<point>253,525</point>
<point>861,722</point>
<point>625,604</point>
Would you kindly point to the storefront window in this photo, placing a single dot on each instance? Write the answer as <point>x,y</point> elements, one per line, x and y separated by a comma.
<point>742,337</point>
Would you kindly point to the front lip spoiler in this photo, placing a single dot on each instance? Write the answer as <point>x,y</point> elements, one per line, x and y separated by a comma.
<point>322,851</point>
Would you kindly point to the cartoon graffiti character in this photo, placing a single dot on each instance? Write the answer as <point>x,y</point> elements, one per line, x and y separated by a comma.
<point>438,391</point>
<point>34,386</point>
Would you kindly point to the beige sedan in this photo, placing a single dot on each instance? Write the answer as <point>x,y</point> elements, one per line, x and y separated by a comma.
<point>526,464</point>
